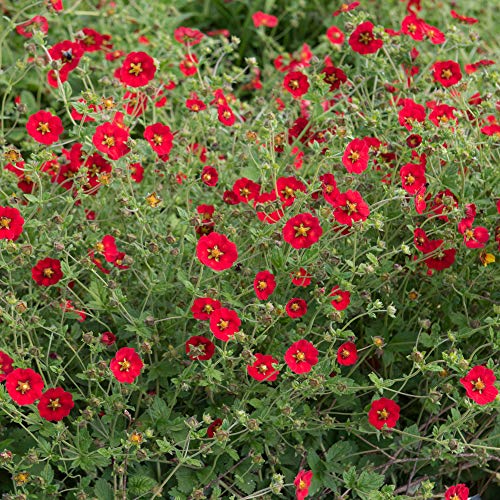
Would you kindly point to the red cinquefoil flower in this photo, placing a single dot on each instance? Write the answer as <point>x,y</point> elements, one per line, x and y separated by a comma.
<point>225,115</point>
<point>355,158</point>
<point>302,231</point>
<point>410,112</point>
<point>262,19</point>
<point>296,83</point>
<point>412,177</point>
<point>5,365</point>
<point>27,28</point>
<point>111,139</point>
<point>108,338</point>
<point>246,189</point>
<point>55,404</point>
<point>301,278</point>
<point>188,36</point>
<point>341,298</point>
<point>24,385</point>
<point>262,368</point>
<point>383,412</point>
<point>363,41</point>
<point>447,73</point>
<point>442,113</point>
<point>349,207</point>
<point>44,127</point>
<point>209,176</point>
<point>224,323</point>
<point>296,308</point>
<point>329,188</point>
<point>189,64</point>
<point>347,354</point>
<point>335,35</point>
<point>264,284</point>
<point>476,237</point>
<point>457,492</point>
<point>333,76</point>
<point>203,307</point>
<point>213,427</point>
<point>479,384</point>
<point>160,138</point>
<point>286,188</point>
<point>11,223</point>
<point>301,356</point>
<point>440,258</point>
<point>47,272</point>
<point>126,365</point>
<point>137,70</point>
<point>216,251</point>
<point>302,482</point>
<point>200,348</point>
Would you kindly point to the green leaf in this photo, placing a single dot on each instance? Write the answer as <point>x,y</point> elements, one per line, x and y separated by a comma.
<point>140,484</point>
<point>103,490</point>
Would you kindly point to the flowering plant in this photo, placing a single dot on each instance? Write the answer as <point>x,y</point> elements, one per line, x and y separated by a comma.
<point>245,264</point>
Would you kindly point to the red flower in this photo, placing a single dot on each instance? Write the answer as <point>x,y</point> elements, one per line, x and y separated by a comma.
<point>349,207</point>
<point>442,113</point>
<point>296,308</point>
<point>5,365</point>
<point>383,411</point>
<point>216,251</point>
<point>226,115</point>
<point>342,298</point>
<point>479,384</point>
<point>47,272</point>
<point>411,112</point>
<point>55,404</point>
<point>473,237</point>
<point>363,41</point>
<point>24,385</point>
<point>136,172</point>
<point>160,138</point>
<point>334,77</point>
<point>57,5</point>
<point>108,338</point>
<point>302,483</point>
<point>443,203</point>
<point>262,368</point>
<point>355,158</point>
<point>246,189</point>
<point>213,427</point>
<point>126,365</point>
<point>91,40</point>
<point>195,105</point>
<point>135,103</point>
<point>44,127</point>
<point>287,187</point>
<point>188,36</point>
<point>69,54</point>
<point>264,284</point>
<point>209,176</point>
<point>188,65</point>
<point>111,139</point>
<point>296,83</point>
<point>11,223</point>
<point>465,19</point>
<point>347,354</point>
<point>27,28</point>
<point>200,348</point>
<point>457,492</point>
<point>202,308</point>
<point>335,35</point>
<point>329,187</point>
<point>412,177</point>
<point>301,278</point>
<point>414,27</point>
<point>345,7</point>
<point>224,323</point>
<point>262,19</point>
<point>302,231</point>
<point>301,356</point>
<point>137,70</point>
<point>439,258</point>
<point>447,73</point>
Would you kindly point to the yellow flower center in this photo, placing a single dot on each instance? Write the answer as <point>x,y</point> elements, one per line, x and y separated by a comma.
<point>354,156</point>
<point>135,69</point>
<point>288,192</point>
<point>301,230</point>
<point>293,84</point>
<point>124,365</point>
<point>446,74</point>
<point>223,324</point>
<point>345,353</point>
<point>158,139</point>
<point>351,207</point>
<point>383,414</point>
<point>5,222</point>
<point>365,38</point>
<point>43,128</point>
<point>108,141</point>
<point>302,485</point>
<point>409,179</point>
<point>54,404</point>
<point>262,285</point>
<point>479,385</point>
<point>23,387</point>
<point>262,368</point>
<point>299,356</point>
<point>214,253</point>
<point>48,272</point>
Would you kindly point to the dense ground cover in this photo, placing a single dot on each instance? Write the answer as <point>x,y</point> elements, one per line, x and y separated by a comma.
<point>247,250</point>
